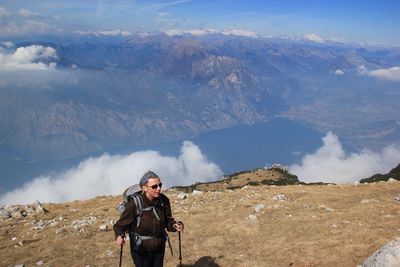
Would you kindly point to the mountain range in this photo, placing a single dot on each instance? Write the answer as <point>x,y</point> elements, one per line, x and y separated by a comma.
<point>107,93</point>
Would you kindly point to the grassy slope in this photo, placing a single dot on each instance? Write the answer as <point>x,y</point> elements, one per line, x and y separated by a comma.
<point>317,225</point>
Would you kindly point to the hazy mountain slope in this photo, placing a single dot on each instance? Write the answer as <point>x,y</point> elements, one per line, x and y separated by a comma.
<point>149,89</point>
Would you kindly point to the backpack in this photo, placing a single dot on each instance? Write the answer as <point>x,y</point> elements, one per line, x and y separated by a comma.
<point>128,195</point>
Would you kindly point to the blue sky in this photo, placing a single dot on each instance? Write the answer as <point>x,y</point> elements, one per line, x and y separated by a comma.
<point>370,21</point>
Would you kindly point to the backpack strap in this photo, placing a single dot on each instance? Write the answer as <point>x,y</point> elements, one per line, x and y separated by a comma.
<point>139,207</point>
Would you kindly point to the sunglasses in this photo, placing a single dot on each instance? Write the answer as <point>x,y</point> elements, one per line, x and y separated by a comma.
<point>155,186</point>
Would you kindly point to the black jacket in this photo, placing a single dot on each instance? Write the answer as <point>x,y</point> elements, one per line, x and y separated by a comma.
<point>149,224</point>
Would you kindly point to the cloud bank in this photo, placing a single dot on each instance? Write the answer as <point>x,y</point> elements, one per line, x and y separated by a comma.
<point>392,73</point>
<point>34,57</point>
<point>112,174</point>
<point>330,163</point>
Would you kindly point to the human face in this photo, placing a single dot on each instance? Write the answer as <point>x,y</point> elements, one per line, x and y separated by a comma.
<point>152,193</point>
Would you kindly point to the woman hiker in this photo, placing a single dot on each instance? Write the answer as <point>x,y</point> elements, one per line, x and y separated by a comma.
<point>146,216</point>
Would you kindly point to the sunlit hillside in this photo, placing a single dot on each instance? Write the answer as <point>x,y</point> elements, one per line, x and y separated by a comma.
<point>292,225</point>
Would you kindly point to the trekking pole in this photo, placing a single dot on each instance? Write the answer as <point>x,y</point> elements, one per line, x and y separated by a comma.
<point>120,256</point>
<point>169,243</point>
<point>180,249</point>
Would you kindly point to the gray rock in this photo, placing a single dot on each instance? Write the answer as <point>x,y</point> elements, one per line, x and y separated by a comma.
<point>103,227</point>
<point>182,196</point>
<point>279,197</point>
<point>16,214</point>
<point>197,192</point>
<point>252,217</point>
<point>83,222</point>
<point>5,214</point>
<point>386,256</point>
<point>258,208</point>
<point>38,207</point>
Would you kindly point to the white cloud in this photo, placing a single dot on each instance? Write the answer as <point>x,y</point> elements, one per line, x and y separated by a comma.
<point>389,73</point>
<point>25,21</point>
<point>32,57</point>
<point>339,72</point>
<point>4,12</point>
<point>239,32</point>
<point>36,27</point>
<point>105,33</point>
<point>23,12</point>
<point>362,70</point>
<point>313,37</point>
<point>330,163</point>
<point>7,44</point>
<point>392,73</point>
<point>112,174</point>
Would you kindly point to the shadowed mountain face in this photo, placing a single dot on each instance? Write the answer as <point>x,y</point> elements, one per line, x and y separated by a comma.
<point>147,90</point>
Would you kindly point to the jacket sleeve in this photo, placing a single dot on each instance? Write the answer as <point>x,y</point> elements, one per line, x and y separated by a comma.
<point>126,220</point>
<point>168,216</point>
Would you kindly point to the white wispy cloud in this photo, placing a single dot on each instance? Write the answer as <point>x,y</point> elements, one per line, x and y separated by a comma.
<point>314,37</point>
<point>23,12</point>
<point>25,21</point>
<point>240,32</point>
<point>4,12</point>
<point>34,57</point>
<point>339,72</point>
<point>389,73</point>
<point>110,175</point>
<point>330,163</point>
<point>7,44</point>
<point>392,73</point>
<point>35,26</point>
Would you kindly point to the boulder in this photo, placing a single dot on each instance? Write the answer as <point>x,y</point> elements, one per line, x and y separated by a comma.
<point>197,192</point>
<point>182,196</point>
<point>386,256</point>
<point>38,207</point>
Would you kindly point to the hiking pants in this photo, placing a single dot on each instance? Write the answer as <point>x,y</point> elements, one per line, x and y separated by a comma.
<point>148,259</point>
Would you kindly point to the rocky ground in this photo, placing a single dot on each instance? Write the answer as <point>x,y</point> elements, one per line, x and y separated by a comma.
<point>263,225</point>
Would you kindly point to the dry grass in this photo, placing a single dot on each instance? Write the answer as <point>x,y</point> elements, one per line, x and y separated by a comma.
<point>316,225</point>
